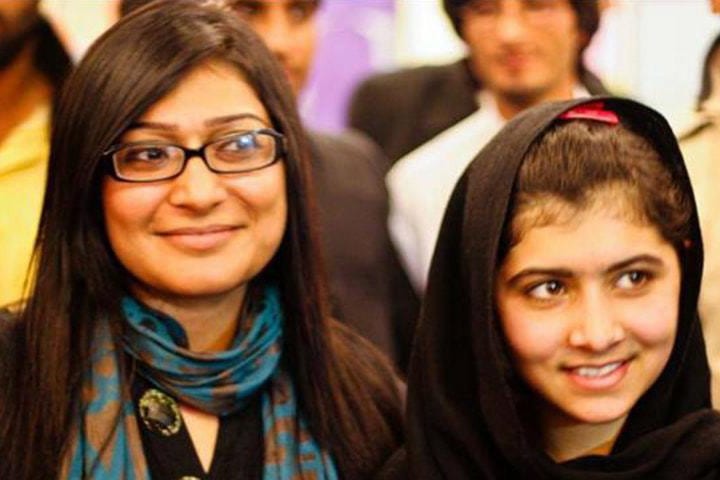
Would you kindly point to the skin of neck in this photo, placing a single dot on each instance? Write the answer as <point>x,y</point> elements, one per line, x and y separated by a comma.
<point>22,88</point>
<point>566,438</point>
<point>210,322</point>
<point>510,105</point>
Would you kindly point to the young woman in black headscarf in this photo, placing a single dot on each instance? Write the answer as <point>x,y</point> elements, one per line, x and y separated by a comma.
<point>559,337</point>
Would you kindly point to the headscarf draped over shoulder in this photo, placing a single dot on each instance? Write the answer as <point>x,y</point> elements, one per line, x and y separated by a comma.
<point>463,415</point>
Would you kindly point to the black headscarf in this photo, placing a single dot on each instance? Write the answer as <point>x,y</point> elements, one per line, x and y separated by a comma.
<point>463,420</point>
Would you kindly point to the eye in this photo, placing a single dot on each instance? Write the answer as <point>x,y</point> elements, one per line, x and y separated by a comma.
<point>143,155</point>
<point>249,149</point>
<point>246,10</point>
<point>238,144</point>
<point>539,4</point>
<point>301,11</point>
<point>632,279</point>
<point>546,290</point>
<point>481,7</point>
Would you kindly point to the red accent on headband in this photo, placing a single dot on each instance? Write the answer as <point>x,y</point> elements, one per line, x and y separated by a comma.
<point>591,111</point>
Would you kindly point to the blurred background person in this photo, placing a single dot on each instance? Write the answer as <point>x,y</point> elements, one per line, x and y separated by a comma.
<point>700,143</point>
<point>521,53</point>
<point>33,64</point>
<point>348,176</point>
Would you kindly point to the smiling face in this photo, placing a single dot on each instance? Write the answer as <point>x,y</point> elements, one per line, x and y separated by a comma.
<point>589,308</point>
<point>200,234</point>
<point>525,50</point>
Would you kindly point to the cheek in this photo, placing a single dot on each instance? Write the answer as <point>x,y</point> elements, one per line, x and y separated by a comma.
<point>654,324</point>
<point>266,201</point>
<point>561,42</point>
<point>652,320</point>
<point>128,209</point>
<point>532,336</point>
<point>475,37</point>
<point>306,43</point>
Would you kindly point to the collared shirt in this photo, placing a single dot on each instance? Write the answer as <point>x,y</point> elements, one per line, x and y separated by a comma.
<point>421,182</point>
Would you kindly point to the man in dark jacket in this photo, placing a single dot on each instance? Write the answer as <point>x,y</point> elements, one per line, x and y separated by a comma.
<point>521,51</point>
<point>348,174</point>
<point>431,121</point>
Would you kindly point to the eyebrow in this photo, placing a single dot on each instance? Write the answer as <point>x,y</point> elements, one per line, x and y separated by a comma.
<point>567,273</point>
<point>213,122</point>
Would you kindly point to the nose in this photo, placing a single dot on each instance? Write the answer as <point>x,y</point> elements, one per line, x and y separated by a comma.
<point>276,32</point>
<point>597,326</point>
<point>510,21</point>
<point>197,188</point>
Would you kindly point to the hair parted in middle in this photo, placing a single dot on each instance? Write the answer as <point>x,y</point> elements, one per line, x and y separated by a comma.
<point>573,162</point>
<point>350,400</point>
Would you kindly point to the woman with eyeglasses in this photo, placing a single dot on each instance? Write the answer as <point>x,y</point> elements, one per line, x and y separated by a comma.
<point>559,337</point>
<point>178,326</point>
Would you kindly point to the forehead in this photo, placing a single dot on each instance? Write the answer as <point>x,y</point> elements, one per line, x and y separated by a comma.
<point>617,199</point>
<point>16,12</point>
<point>588,239</point>
<point>211,90</point>
<point>16,8</point>
<point>542,15</point>
<point>271,4</point>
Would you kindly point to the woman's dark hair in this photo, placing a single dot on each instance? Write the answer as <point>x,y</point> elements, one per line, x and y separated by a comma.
<point>346,391</point>
<point>575,160</point>
<point>706,86</point>
<point>127,6</point>
<point>587,11</point>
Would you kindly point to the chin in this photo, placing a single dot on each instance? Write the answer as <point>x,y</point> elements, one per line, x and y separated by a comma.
<point>197,286</point>
<point>600,411</point>
<point>521,91</point>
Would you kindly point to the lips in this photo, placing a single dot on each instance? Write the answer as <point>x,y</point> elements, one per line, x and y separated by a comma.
<point>598,376</point>
<point>515,60</point>
<point>595,372</point>
<point>200,238</point>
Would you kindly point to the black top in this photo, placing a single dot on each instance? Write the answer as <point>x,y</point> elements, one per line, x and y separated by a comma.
<point>239,449</point>
<point>464,419</point>
<point>402,110</point>
<point>352,205</point>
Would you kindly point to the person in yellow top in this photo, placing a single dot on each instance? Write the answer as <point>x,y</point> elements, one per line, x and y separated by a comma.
<point>33,65</point>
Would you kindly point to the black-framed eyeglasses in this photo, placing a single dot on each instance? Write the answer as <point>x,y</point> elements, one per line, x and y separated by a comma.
<point>240,152</point>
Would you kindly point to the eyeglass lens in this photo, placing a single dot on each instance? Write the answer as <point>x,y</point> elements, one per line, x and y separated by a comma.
<point>233,154</point>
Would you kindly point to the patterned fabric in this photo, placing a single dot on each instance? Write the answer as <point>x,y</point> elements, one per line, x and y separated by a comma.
<point>107,443</point>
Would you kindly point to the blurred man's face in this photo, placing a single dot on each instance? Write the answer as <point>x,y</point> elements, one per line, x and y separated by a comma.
<point>288,28</point>
<point>522,49</point>
<point>17,21</point>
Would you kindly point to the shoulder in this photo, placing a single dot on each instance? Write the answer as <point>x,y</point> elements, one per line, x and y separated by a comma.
<point>400,91</point>
<point>415,76</point>
<point>395,468</point>
<point>9,335</point>
<point>403,109</point>
<point>373,368</point>
<point>351,151</point>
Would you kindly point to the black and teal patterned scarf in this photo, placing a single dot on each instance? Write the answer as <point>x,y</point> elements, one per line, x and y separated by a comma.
<point>107,444</point>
